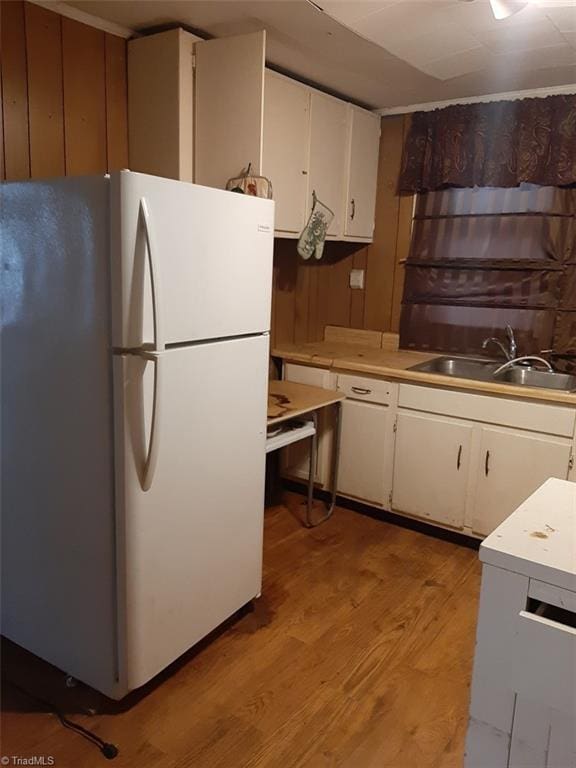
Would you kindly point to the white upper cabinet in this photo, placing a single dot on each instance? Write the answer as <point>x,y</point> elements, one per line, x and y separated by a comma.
<point>285,150</point>
<point>203,110</point>
<point>328,140</point>
<point>161,104</point>
<point>364,144</point>
<point>229,105</point>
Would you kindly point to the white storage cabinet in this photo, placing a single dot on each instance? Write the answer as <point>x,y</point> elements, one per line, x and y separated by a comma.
<point>366,439</point>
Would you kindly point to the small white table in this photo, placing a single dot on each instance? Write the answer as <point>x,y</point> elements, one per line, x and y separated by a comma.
<point>523,703</point>
<point>288,406</point>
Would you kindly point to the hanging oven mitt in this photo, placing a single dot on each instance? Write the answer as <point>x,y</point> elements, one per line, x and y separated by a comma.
<point>313,235</point>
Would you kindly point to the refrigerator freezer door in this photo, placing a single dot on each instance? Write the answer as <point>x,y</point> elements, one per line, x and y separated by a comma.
<point>190,547</point>
<point>210,252</point>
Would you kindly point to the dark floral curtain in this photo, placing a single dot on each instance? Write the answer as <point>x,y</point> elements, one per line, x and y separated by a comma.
<point>498,144</point>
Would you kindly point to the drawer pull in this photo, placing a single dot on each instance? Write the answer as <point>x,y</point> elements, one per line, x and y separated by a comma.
<point>487,463</point>
<point>561,616</point>
<point>360,391</point>
<point>459,459</point>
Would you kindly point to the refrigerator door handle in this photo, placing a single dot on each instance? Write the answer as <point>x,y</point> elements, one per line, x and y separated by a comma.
<point>154,440</point>
<point>154,275</point>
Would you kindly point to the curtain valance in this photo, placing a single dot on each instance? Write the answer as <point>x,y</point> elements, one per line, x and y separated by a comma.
<point>496,144</point>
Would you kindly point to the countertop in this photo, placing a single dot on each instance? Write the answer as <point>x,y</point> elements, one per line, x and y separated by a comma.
<point>539,538</point>
<point>363,359</point>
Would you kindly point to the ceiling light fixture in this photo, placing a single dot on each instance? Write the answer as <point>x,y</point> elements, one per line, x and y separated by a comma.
<point>502,9</point>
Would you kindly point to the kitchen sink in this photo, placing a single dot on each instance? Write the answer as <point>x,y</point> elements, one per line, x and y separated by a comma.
<point>460,367</point>
<point>483,370</point>
<point>528,377</point>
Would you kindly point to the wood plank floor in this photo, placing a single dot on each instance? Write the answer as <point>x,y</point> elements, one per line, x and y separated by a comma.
<point>358,655</point>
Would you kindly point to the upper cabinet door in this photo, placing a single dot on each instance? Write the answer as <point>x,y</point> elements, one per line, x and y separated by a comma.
<point>328,143</point>
<point>362,173</point>
<point>229,100</point>
<point>285,152</point>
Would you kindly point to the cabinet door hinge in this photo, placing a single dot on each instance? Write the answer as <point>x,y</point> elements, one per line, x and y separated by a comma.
<point>571,461</point>
<point>395,427</point>
<point>390,501</point>
<point>193,61</point>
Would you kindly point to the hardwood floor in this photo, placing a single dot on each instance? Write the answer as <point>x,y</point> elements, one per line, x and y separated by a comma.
<point>358,655</point>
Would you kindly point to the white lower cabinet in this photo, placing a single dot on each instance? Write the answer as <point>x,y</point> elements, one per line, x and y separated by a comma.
<point>295,458</point>
<point>365,451</point>
<point>431,466</point>
<point>513,464</point>
<point>403,448</point>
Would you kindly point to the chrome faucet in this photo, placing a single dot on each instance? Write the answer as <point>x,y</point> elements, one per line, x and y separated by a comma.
<point>512,351</point>
<point>523,359</point>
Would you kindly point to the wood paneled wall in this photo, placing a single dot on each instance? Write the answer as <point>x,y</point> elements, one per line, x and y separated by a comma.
<point>63,95</point>
<point>308,296</point>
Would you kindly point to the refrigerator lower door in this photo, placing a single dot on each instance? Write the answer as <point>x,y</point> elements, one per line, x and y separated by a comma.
<point>190,547</point>
<point>189,263</point>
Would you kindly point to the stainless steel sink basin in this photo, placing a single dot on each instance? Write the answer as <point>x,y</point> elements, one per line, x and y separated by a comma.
<point>460,367</point>
<point>483,370</point>
<point>527,377</point>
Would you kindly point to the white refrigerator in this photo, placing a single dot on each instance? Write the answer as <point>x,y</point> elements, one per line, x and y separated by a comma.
<point>136,313</point>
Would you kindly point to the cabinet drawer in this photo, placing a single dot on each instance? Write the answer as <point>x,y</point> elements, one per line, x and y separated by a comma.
<point>370,390</point>
<point>543,663</point>
<point>306,374</point>
<point>523,414</point>
<point>553,595</point>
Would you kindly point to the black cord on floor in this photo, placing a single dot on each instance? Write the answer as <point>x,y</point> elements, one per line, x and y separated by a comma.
<point>109,751</point>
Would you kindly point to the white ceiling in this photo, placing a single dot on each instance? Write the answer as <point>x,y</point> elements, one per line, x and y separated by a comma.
<point>385,53</point>
<point>450,38</point>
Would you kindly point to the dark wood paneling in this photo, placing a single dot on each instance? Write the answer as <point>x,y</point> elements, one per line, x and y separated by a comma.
<point>382,252</point>
<point>285,275</point>
<point>63,95</point>
<point>2,171</point>
<point>45,92</point>
<point>116,103</point>
<point>357,296</point>
<point>83,51</point>
<point>14,91</point>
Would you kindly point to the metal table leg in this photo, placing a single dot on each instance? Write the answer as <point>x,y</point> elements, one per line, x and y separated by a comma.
<point>334,470</point>
<point>311,472</point>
